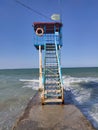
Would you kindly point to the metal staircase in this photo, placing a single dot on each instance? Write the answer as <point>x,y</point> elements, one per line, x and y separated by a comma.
<point>48,38</point>
<point>53,89</point>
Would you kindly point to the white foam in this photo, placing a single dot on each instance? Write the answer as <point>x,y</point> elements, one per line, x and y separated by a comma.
<point>28,83</point>
<point>29,80</point>
<point>82,95</point>
<point>69,81</point>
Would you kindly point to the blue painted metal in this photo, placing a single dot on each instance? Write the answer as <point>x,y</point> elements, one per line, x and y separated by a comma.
<point>51,47</point>
<point>46,38</point>
<point>58,58</point>
<point>49,35</point>
<point>50,42</point>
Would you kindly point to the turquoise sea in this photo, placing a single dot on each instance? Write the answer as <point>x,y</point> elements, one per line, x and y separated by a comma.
<point>18,86</point>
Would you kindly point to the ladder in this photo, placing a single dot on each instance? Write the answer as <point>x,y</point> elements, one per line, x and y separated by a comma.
<point>52,83</point>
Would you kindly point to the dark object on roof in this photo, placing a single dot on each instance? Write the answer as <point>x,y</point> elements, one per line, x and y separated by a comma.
<point>49,27</point>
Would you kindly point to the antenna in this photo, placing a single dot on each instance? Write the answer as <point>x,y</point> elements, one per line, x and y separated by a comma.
<point>59,2</point>
<point>58,16</point>
<point>33,10</point>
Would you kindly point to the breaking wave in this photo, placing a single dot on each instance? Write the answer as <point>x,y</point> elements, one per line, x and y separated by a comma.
<point>84,93</point>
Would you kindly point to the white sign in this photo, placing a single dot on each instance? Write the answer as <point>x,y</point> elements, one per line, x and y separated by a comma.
<point>55,17</point>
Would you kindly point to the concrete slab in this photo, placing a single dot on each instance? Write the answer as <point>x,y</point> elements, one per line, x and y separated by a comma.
<point>51,117</point>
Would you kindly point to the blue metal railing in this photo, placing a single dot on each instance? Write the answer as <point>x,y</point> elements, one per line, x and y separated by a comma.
<point>47,38</point>
<point>58,58</point>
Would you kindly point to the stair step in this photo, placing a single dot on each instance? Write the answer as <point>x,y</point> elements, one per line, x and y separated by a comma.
<point>52,63</point>
<point>51,72</point>
<point>52,100</point>
<point>50,44</point>
<point>48,64</point>
<point>48,53</point>
<point>50,57</point>
<point>52,69</point>
<point>52,75</point>
<point>53,95</point>
<point>51,52</point>
<point>52,82</point>
<point>54,90</point>
<point>51,88</point>
<point>51,48</point>
<point>52,85</point>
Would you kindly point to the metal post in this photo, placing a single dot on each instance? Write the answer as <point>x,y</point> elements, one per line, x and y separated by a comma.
<point>40,68</point>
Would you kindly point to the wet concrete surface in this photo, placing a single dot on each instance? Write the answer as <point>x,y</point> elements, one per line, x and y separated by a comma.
<point>51,117</point>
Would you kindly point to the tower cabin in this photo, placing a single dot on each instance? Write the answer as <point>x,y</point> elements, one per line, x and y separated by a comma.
<point>46,33</point>
<point>48,37</point>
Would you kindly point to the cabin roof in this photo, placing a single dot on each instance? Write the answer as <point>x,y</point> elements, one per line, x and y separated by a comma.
<point>48,26</point>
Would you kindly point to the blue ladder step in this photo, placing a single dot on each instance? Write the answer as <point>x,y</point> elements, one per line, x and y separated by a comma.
<point>53,95</point>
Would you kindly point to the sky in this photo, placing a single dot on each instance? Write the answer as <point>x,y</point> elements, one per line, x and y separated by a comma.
<point>80,32</point>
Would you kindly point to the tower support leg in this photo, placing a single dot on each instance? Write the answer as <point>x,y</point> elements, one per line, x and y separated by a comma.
<point>40,69</point>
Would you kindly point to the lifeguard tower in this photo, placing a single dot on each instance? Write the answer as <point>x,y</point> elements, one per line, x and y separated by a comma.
<point>48,38</point>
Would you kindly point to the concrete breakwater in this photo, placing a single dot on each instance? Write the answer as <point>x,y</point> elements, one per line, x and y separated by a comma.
<point>51,117</point>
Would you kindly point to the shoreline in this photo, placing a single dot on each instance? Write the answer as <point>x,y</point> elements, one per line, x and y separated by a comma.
<point>51,117</point>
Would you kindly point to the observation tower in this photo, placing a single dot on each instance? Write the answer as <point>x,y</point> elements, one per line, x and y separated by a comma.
<point>48,40</point>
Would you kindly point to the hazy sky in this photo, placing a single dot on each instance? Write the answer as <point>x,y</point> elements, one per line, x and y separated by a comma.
<point>80,32</point>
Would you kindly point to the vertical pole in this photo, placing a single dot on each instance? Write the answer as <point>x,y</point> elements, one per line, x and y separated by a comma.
<point>60,53</point>
<point>40,68</point>
<point>60,9</point>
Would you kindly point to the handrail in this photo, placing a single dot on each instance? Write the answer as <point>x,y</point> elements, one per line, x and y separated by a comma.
<point>58,58</point>
<point>44,67</point>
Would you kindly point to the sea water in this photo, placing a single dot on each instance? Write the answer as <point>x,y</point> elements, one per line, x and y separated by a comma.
<point>82,84</point>
<point>18,86</point>
<point>16,89</point>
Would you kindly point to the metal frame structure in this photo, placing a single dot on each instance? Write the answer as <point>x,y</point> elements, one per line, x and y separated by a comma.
<point>48,37</point>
